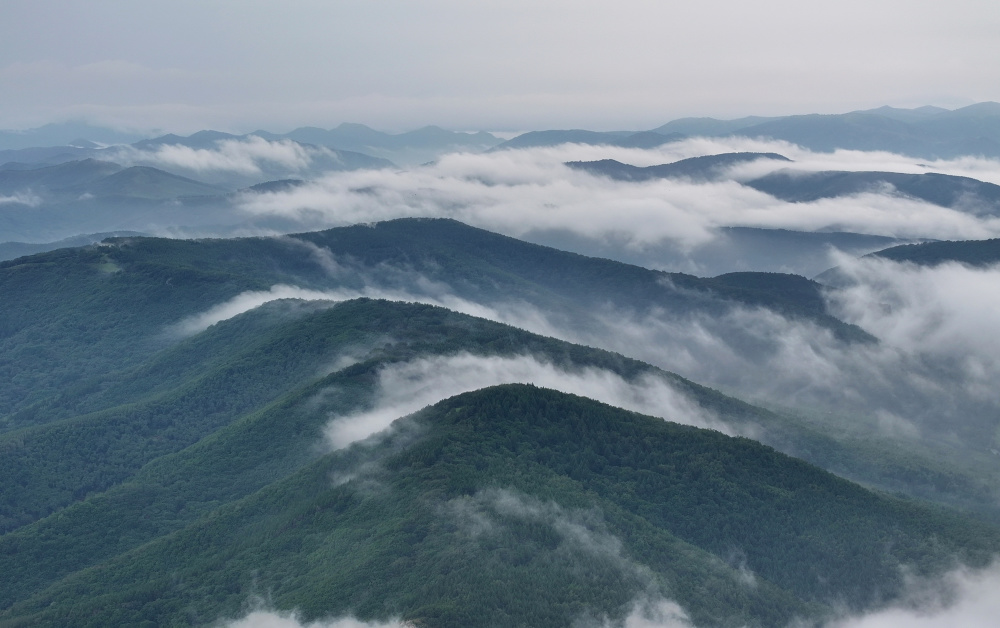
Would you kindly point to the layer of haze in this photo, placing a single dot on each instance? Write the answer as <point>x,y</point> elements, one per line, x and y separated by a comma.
<point>186,65</point>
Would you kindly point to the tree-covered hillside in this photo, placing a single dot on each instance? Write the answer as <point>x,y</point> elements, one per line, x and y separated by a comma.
<point>971,252</point>
<point>516,505</point>
<point>962,193</point>
<point>172,449</point>
<point>103,307</point>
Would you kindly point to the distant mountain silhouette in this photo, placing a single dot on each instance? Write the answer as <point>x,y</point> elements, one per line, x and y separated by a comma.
<point>929,132</point>
<point>627,139</point>
<point>37,157</point>
<point>971,252</point>
<point>710,126</point>
<point>732,249</point>
<point>151,183</point>
<point>706,167</point>
<point>12,250</point>
<point>940,189</point>
<point>281,185</point>
<point>65,133</point>
<point>361,138</point>
<point>58,177</point>
<point>102,179</point>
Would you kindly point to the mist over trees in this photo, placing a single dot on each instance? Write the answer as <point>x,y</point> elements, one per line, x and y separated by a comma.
<point>716,373</point>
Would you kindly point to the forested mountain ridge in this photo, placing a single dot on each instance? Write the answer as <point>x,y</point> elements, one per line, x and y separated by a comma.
<point>963,193</point>
<point>927,132</point>
<point>697,168</point>
<point>972,252</point>
<point>419,423</point>
<point>120,298</point>
<point>635,505</point>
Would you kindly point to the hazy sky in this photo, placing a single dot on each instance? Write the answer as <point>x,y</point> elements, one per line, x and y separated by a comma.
<point>182,65</point>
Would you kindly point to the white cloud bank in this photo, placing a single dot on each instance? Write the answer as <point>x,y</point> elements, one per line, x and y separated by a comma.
<point>947,311</point>
<point>656,614</point>
<point>963,599</point>
<point>408,387</point>
<point>276,619</point>
<point>21,198</point>
<point>247,156</point>
<point>519,191</point>
<point>249,300</point>
<point>936,364</point>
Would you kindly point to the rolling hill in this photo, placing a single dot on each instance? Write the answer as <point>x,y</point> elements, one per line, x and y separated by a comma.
<point>171,450</point>
<point>164,281</point>
<point>972,252</point>
<point>627,139</point>
<point>703,168</point>
<point>962,193</point>
<point>514,505</point>
<point>926,132</point>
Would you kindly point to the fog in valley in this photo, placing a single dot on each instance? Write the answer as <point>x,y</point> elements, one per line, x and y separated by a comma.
<point>445,314</point>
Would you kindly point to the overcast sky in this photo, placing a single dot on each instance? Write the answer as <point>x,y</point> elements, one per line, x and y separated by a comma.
<point>183,65</point>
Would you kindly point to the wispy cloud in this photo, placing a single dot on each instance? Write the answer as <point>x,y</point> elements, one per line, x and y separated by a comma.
<point>408,387</point>
<point>963,598</point>
<point>249,300</point>
<point>248,156</point>
<point>21,198</point>
<point>933,368</point>
<point>278,619</point>
<point>654,613</point>
<point>948,312</point>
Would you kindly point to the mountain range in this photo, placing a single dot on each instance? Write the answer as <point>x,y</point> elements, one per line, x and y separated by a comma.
<point>434,379</point>
<point>192,452</point>
<point>928,132</point>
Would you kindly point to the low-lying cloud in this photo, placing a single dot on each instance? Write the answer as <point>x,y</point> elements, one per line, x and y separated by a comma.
<point>407,387</point>
<point>584,544</point>
<point>520,191</point>
<point>763,357</point>
<point>982,168</point>
<point>249,300</point>
<point>934,367</point>
<point>21,198</point>
<point>962,599</point>
<point>278,619</point>
<point>656,613</point>
<point>251,155</point>
<point>948,309</point>
<point>582,532</point>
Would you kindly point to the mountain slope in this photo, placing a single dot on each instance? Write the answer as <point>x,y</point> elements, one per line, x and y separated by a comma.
<point>516,505</point>
<point>697,168</point>
<point>12,250</point>
<point>929,132</point>
<point>59,134</point>
<point>627,139</point>
<point>129,457</point>
<point>165,281</point>
<point>940,189</point>
<point>732,249</point>
<point>146,182</point>
<point>971,252</point>
<point>66,175</point>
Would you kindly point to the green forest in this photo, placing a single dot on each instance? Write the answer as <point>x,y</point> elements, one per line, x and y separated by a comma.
<point>154,476</point>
